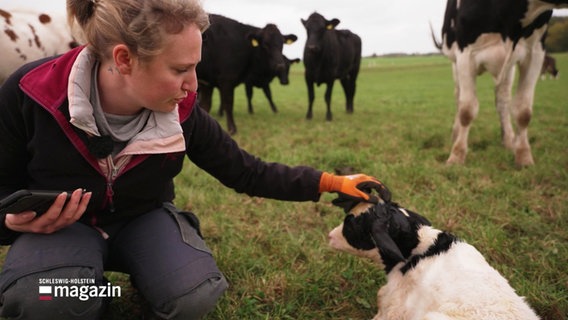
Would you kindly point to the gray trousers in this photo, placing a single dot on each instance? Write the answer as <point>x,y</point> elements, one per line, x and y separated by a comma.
<point>167,261</point>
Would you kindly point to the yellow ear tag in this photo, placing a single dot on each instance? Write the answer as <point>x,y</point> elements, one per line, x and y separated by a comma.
<point>254,42</point>
<point>329,27</point>
<point>289,41</point>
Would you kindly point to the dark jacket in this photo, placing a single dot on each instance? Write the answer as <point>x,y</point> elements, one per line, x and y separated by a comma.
<point>40,149</point>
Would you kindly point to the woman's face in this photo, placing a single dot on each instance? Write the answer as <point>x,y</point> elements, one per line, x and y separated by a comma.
<point>161,83</point>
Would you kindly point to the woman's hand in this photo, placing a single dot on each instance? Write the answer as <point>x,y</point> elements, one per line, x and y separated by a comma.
<point>357,187</point>
<point>58,216</point>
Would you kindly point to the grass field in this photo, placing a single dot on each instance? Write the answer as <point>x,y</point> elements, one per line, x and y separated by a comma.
<point>275,254</point>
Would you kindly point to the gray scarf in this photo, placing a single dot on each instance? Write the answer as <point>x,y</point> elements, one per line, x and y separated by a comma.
<point>121,128</point>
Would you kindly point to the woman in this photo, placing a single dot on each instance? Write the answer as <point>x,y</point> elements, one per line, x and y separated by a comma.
<point>116,118</point>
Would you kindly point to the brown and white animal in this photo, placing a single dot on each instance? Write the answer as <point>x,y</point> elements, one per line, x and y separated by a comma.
<point>494,36</point>
<point>549,67</point>
<point>29,35</point>
<point>431,274</point>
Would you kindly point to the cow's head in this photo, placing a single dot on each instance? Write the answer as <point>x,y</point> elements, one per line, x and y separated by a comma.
<point>268,43</point>
<point>316,26</point>
<point>283,76</point>
<point>383,226</point>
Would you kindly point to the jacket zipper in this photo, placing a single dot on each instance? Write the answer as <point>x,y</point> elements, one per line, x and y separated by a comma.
<point>113,173</point>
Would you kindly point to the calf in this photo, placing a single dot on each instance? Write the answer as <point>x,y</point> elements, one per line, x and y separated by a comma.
<point>494,36</point>
<point>431,274</point>
<point>233,52</point>
<point>262,80</point>
<point>330,54</point>
<point>30,35</point>
<point>549,66</point>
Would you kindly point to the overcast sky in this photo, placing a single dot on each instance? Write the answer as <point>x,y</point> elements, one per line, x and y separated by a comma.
<point>384,26</point>
<point>391,26</point>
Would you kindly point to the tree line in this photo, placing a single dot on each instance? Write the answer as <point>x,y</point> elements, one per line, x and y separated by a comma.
<point>557,38</point>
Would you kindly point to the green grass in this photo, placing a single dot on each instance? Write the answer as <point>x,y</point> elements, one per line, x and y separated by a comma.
<point>275,254</point>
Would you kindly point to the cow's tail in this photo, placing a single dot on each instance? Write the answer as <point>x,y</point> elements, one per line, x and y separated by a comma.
<point>437,44</point>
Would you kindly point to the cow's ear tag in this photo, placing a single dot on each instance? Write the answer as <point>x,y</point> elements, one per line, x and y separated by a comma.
<point>254,43</point>
<point>329,27</point>
<point>289,41</point>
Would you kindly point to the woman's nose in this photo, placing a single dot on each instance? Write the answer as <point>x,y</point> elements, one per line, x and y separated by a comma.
<point>190,83</point>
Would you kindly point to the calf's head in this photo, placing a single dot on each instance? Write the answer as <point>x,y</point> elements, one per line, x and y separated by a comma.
<point>383,226</point>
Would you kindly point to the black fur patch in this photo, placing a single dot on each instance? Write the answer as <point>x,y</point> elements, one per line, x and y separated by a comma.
<point>443,243</point>
<point>356,231</point>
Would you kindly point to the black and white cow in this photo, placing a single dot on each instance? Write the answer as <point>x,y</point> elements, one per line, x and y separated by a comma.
<point>494,36</point>
<point>231,51</point>
<point>330,54</point>
<point>29,35</point>
<point>262,80</point>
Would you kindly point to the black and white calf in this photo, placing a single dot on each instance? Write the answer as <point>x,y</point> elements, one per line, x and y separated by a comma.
<point>431,274</point>
<point>494,36</point>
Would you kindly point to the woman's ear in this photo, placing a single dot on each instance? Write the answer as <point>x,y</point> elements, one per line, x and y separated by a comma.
<point>122,58</point>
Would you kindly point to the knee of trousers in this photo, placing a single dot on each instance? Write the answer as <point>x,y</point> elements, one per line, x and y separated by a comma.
<point>21,299</point>
<point>196,303</point>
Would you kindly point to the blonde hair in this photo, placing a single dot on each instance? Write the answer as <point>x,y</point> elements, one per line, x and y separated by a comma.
<point>139,24</point>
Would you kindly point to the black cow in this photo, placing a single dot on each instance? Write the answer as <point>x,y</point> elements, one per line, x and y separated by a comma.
<point>494,36</point>
<point>231,52</point>
<point>262,80</point>
<point>330,54</point>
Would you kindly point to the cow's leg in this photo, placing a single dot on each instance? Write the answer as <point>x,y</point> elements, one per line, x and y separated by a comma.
<point>268,94</point>
<point>227,100</point>
<point>204,96</point>
<point>523,103</point>
<point>248,90</point>
<point>467,106</point>
<point>348,85</point>
<point>310,85</point>
<point>221,112</point>
<point>456,98</point>
<point>502,104</point>
<point>328,91</point>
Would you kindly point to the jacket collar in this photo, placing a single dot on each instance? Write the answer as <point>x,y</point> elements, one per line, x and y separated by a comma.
<point>47,83</point>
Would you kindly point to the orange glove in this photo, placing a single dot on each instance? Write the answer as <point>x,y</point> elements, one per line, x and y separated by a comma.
<point>357,187</point>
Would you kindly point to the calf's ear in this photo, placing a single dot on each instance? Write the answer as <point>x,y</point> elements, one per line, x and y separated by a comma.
<point>390,252</point>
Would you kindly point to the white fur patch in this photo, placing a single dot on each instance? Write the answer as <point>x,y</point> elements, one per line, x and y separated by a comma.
<point>404,212</point>
<point>426,237</point>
